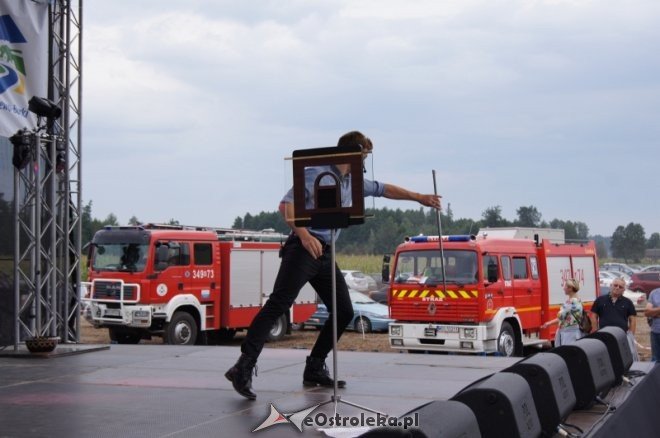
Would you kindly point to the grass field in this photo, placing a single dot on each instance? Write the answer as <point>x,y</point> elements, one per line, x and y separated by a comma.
<point>369,264</point>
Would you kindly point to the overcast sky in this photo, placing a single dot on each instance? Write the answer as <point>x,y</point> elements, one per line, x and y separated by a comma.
<point>190,107</point>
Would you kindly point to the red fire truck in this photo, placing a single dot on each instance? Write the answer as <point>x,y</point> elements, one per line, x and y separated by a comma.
<point>495,294</point>
<point>188,285</point>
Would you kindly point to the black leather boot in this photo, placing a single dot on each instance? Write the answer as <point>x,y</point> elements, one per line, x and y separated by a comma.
<point>240,376</point>
<point>317,374</point>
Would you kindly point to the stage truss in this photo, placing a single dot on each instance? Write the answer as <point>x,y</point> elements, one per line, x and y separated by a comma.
<point>47,197</point>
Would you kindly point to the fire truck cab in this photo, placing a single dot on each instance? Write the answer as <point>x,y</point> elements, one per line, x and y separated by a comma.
<point>487,295</point>
<point>188,285</point>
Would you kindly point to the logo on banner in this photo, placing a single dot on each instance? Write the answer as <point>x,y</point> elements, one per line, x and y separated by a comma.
<point>12,66</point>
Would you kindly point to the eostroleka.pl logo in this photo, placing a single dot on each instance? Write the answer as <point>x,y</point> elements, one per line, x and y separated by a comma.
<point>304,418</point>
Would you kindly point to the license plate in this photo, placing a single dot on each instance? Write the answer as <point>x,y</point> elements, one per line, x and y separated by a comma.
<point>430,332</point>
<point>447,328</point>
<point>112,312</point>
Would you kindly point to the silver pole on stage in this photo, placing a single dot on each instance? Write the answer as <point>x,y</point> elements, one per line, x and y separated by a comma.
<point>336,399</point>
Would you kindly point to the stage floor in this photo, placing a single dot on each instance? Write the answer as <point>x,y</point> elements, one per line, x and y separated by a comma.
<point>170,391</point>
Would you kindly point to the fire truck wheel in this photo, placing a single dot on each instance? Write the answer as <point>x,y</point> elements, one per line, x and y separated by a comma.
<point>362,325</point>
<point>279,329</point>
<point>181,330</point>
<point>506,341</point>
<point>124,336</point>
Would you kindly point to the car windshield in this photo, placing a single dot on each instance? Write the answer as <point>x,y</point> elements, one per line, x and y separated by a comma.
<point>426,267</point>
<point>128,257</point>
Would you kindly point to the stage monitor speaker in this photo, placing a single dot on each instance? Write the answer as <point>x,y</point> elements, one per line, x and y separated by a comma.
<point>550,383</point>
<point>616,342</point>
<point>590,369</point>
<point>504,406</point>
<point>443,419</point>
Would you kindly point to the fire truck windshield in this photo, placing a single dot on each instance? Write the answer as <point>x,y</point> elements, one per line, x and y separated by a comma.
<point>128,257</point>
<point>425,267</point>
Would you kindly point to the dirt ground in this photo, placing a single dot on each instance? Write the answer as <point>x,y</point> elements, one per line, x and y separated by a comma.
<point>350,341</point>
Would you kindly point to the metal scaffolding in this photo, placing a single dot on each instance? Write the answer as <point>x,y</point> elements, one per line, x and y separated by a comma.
<point>47,196</point>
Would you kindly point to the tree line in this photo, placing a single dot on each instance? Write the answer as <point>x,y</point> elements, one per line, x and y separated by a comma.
<point>385,228</point>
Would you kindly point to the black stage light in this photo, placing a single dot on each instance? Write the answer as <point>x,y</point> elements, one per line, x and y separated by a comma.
<point>22,142</point>
<point>616,341</point>
<point>43,107</point>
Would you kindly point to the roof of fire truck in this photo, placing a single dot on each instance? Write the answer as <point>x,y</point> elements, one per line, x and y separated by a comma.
<point>166,231</point>
<point>484,243</point>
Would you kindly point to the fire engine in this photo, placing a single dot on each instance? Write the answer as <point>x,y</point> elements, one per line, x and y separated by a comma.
<point>187,284</point>
<point>494,296</point>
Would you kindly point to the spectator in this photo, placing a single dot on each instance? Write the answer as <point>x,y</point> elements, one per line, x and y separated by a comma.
<point>616,310</point>
<point>652,312</point>
<point>568,316</point>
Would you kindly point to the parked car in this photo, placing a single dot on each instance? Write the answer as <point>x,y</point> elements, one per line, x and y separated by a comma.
<point>645,282</point>
<point>606,278</point>
<point>618,274</point>
<point>380,295</point>
<point>651,268</point>
<point>638,298</point>
<point>359,281</point>
<point>617,267</point>
<point>368,315</point>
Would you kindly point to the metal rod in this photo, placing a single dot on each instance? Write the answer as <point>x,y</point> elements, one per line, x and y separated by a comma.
<point>439,222</point>
<point>335,398</point>
<point>37,231</point>
<point>17,257</point>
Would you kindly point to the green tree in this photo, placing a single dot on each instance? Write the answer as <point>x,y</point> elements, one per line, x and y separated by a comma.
<point>492,217</point>
<point>629,243</point>
<point>528,217</point>
<point>654,241</point>
<point>572,230</point>
<point>601,249</point>
<point>618,244</point>
<point>134,221</point>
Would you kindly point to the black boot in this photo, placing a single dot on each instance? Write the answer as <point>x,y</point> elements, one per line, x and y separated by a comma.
<point>240,376</point>
<point>317,374</point>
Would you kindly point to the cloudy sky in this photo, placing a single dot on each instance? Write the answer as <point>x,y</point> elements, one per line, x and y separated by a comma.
<point>190,107</point>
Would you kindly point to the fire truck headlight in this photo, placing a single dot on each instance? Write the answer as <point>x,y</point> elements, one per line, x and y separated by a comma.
<point>469,333</point>
<point>395,330</point>
<point>140,314</point>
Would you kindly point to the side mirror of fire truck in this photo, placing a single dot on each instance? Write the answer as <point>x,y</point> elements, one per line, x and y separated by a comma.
<point>162,251</point>
<point>385,273</point>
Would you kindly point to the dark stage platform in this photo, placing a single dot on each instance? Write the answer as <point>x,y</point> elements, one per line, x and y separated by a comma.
<point>169,391</point>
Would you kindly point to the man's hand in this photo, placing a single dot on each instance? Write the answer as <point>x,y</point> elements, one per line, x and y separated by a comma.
<point>430,200</point>
<point>311,244</point>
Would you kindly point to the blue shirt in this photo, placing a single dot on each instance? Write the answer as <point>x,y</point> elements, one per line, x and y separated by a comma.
<point>654,299</point>
<point>371,188</point>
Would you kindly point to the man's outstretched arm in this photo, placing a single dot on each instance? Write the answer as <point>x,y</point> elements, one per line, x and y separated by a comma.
<point>396,192</point>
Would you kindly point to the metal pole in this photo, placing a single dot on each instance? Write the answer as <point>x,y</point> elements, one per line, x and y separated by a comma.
<point>335,397</point>
<point>17,255</point>
<point>37,231</point>
<point>53,238</point>
<point>442,252</point>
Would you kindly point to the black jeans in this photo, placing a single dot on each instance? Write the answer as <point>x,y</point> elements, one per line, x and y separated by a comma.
<point>297,268</point>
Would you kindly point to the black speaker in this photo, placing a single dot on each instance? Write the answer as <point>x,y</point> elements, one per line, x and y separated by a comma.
<point>616,342</point>
<point>550,383</point>
<point>443,419</point>
<point>503,405</point>
<point>590,369</point>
